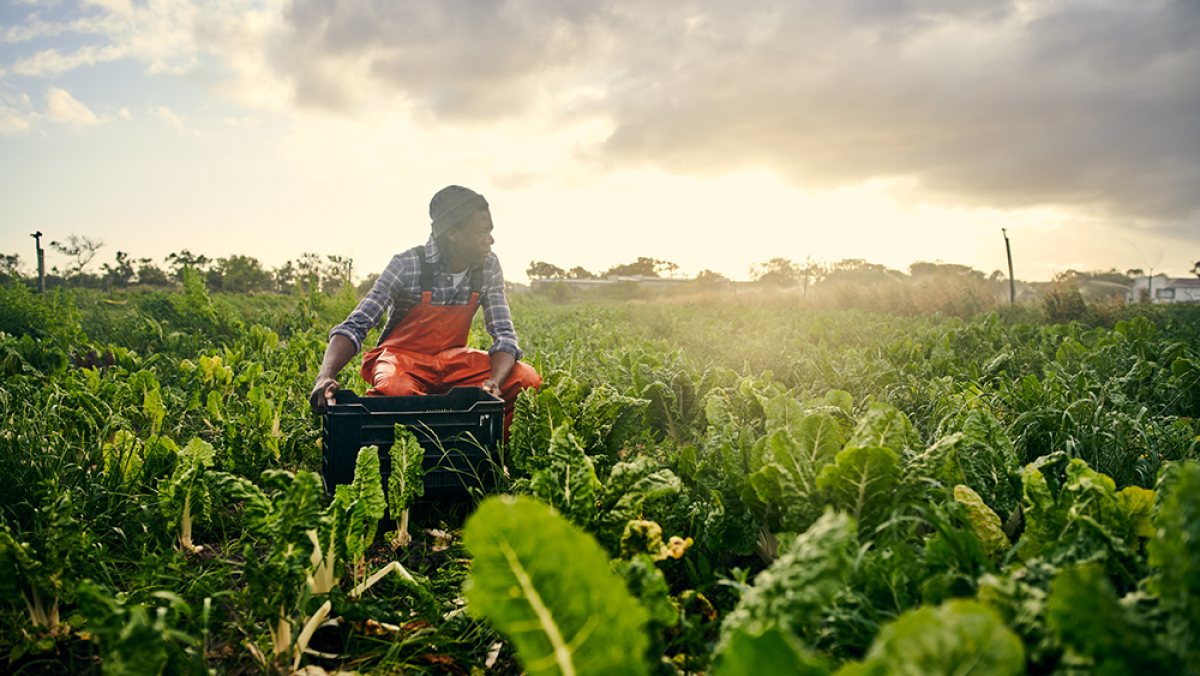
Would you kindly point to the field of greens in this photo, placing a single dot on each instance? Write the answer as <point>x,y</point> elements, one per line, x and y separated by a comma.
<point>711,489</point>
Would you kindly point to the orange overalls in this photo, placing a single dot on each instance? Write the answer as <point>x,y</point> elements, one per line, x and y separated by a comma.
<point>426,352</point>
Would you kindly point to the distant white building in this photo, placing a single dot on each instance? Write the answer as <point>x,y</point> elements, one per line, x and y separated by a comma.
<point>1165,290</point>
<point>613,280</point>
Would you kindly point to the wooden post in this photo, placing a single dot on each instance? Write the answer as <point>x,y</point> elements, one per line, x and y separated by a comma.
<point>1012,284</point>
<point>41,254</point>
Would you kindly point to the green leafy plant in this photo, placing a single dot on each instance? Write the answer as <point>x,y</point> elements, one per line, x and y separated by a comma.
<point>958,637</point>
<point>800,585</point>
<point>546,585</point>
<point>1086,615</point>
<point>183,498</point>
<point>862,482</point>
<point>365,502</point>
<point>276,578</point>
<point>768,651</point>
<point>135,640</point>
<point>568,482</point>
<point>406,483</point>
<point>1174,553</point>
<point>39,566</point>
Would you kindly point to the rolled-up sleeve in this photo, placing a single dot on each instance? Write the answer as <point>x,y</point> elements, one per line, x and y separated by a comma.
<point>373,306</point>
<point>497,318</point>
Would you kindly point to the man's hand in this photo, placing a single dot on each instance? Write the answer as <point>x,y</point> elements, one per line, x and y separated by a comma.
<point>322,391</point>
<point>491,387</point>
<point>337,354</point>
<point>502,365</point>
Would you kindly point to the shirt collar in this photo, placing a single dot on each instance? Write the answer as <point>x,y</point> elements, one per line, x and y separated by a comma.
<point>433,253</point>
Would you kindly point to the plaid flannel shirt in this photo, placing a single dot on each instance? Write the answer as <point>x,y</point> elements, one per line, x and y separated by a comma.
<point>398,289</point>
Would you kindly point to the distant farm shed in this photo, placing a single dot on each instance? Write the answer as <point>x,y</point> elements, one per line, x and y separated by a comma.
<point>1165,290</point>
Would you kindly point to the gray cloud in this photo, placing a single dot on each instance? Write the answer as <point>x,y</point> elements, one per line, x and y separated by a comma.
<point>975,102</point>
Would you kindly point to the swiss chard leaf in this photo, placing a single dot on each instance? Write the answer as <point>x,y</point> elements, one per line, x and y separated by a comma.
<point>630,486</point>
<point>1174,553</point>
<point>407,481</point>
<point>184,498</point>
<point>984,522</point>
<point>770,651</point>
<point>957,459</point>
<point>607,419</point>
<point>547,586</point>
<point>958,637</point>
<point>885,427</point>
<point>568,483</point>
<point>801,584</point>
<point>1084,494</point>
<point>863,483</point>
<point>1087,617</point>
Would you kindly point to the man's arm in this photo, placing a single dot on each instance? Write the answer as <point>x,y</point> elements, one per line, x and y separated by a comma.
<point>497,318</point>
<point>502,365</point>
<point>345,340</point>
<point>338,353</point>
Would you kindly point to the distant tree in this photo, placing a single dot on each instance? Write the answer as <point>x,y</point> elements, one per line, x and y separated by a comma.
<point>285,277</point>
<point>997,276</point>
<point>859,271</point>
<point>579,273</point>
<point>938,268</point>
<point>119,274</point>
<point>10,264</point>
<point>239,274</point>
<point>185,260</point>
<point>646,267</point>
<point>668,267</point>
<point>339,272</point>
<point>812,272</point>
<point>709,276</point>
<point>778,271</point>
<point>1112,275</point>
<point>81,250</point>
<point>544,270</point>
<point>1196,269</point>
<point>151,274</point>
<point>1135,272</point>
<point>214,279</point>
<point>309,269</point>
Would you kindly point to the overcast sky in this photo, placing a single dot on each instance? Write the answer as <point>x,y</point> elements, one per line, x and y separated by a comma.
<point>712,134</point>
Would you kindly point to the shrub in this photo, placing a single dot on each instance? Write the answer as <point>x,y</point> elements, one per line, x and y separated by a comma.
<point>25,313</point>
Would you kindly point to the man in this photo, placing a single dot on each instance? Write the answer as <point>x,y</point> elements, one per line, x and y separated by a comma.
<point>431,294</point>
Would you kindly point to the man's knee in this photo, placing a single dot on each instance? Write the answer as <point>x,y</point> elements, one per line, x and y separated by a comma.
<point>390,383</point>
<point>523,376</point>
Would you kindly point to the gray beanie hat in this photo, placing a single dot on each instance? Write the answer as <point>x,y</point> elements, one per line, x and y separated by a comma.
<point>451,206</point>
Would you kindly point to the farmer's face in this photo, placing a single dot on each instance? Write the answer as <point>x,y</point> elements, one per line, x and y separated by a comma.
<point>473,239</point>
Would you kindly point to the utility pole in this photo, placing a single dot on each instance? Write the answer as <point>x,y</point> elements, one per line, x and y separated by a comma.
<point>41,253</point>
<point>1012,284</point>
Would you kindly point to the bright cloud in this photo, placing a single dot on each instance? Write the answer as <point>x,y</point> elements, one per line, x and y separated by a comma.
<point>170,117</point>
<point>118,6</point>
<point>1088,106</point>
<point>62,107</point>
<point>51,62</point>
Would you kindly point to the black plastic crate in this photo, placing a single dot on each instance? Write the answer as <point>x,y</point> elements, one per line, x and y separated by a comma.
<point>457,430</point>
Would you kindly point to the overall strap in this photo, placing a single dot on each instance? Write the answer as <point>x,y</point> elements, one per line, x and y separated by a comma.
<point>476,280</point>
<point>426,271</point>
<point>426,287</point>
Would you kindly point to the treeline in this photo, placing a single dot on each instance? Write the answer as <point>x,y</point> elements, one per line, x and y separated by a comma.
<point>785,272</point>
<point>232,274</point>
